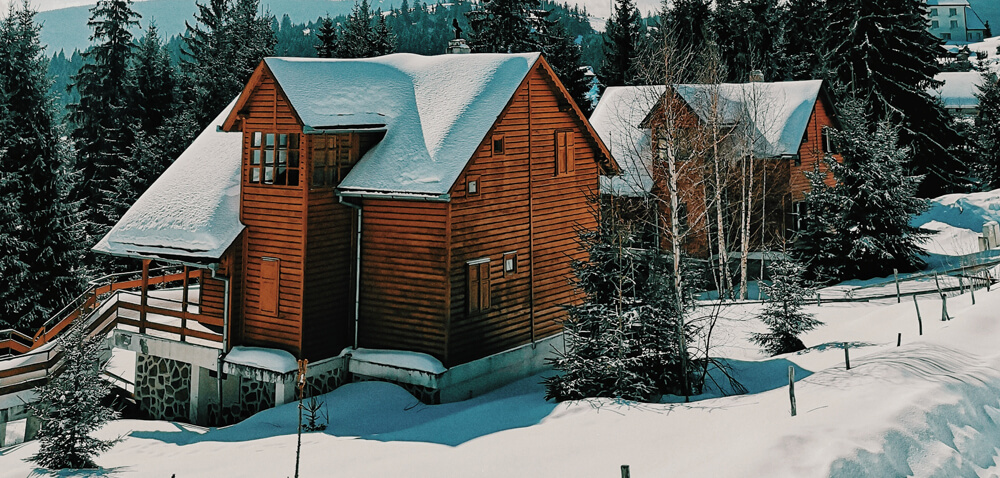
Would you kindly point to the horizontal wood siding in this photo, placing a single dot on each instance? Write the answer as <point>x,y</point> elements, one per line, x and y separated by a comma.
<point>275,217</point>
<point>811,152</point>
<point>329,274</point>
<point>496,221</point>
<point>403,278</point>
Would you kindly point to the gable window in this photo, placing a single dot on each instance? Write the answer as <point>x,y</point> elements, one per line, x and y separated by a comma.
<point>477,290</point>
<point>565,153</point>
<point>509,264</point>
<point>498,145</point>
<point>274,159</point>
<point>270,274</point>
<point>331,159</point>
<point>472,186</point>
<point>829,145</point>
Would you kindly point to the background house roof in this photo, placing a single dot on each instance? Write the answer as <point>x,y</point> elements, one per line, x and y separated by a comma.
<point>617,120</point>
<point>436,111</point>
<point>959,89</point>
<point>192,211</point>
<point>774,115</point>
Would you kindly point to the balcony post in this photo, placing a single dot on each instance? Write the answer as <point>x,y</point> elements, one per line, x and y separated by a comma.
<point>144,297</point>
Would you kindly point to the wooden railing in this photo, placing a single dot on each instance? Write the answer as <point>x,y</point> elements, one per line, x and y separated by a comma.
<point>101,307</point>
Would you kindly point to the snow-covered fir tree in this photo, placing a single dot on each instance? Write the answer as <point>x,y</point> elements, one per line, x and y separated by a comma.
<point>783,314</point>
<point>622,46</point>
<point>750,37</point>
<point>154,80</point>
<point>885,56</point>
<point>383,40</point>
<point>807,36</point>
<point>507,26</point>
<point>563,54</point>
<point>41,234</point>
<point>70,406</point>
<point>986,131</point>
<point>623,340</point>
<point>327,37</point>
<point>689,26</point>
<point>868,233</point>
<point>357,35</point>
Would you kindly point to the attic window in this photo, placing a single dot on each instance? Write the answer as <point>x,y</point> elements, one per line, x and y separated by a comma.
<point>331,159</point>
<point>498,145</point>
<point>565,153</point>
<point>274,159</point>
<point>829,146</point>
<point>472,186</point>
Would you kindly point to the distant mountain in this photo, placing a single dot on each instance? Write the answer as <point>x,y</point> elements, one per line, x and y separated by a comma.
<point>66,29</point>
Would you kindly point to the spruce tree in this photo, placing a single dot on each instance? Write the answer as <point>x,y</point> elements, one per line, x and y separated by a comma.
<point>804,23</point>
<point>818,241</point>
<point>70,406</point>
<point>104,116</point>
<point>563,54</point>
<point>155,79</point>
<point>688,23</point>
<point>507,26</point>
<point>783,315</point>
<point>357,34</point>
<point>327,36</point>
<point>987,131</point>
<point>383,40</point>
<point>887,58</point>
<point>622,43</point>
<point>41,235</point>
<point>750,37</point>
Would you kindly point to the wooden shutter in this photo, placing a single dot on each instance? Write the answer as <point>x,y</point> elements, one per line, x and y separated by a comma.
<point>270,273</point>
<point>560,152</point>
<point>484,286</point>
<point>570,152</point>
<point>477,297</point>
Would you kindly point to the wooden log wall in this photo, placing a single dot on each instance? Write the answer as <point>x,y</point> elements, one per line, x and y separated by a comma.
<point>811,152</point>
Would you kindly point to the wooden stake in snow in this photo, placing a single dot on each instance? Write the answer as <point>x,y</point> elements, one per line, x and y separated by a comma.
<point>819,302</point>
<point>791,387</point>
<point>899,339</point>
<point>847,355</point>
<point>301,386</point>
<point>625,472</point>
<point>944,307</point>
<point>895,276</point>
<point>920,322</point>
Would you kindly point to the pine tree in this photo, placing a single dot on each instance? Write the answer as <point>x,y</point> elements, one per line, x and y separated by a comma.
<point>327,37</point>
<point>818,240</point>
<point>987,131</point>
<point>104,116</point>
<point>357,35</point>
<point>750,38</point>
<point>887,58</point>
<point>41,236</point>
<point>689,25</point>
<point>805,28</point>
<point>383,40</point>
<point>871,228</point>
<point>563,54</point>
<point>70,406</point>
<point>622,42</point>
<point>782,312</point>
<point>154,78</point>
<point>507,26</point>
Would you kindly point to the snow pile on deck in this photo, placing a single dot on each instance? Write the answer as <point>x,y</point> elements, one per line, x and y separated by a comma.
<point>260,363</point>
<point>617,121</point>
<point>192,210</point>
<point>436,111</point>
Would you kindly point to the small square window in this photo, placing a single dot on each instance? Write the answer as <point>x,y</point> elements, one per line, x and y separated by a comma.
<point>509,264</point>
<point>472,186</point>
<point>935,24</point>
<point>498,145</point>
<point>954,23</point>
<point>933,12</point>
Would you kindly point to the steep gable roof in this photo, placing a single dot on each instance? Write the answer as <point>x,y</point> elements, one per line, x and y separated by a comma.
<point>775,115</point>
<point>192,211</point>
<point>618,121</point>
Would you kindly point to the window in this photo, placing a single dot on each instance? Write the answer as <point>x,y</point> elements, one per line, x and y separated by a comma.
<point>270,274</point>
<point>795,219</point>
<point>472,186</point>
<point>933,12</point>
<point>274,159</point>
<point>952,12</point>
<point>565,152</point>
<point>331,159</point>
<point>509,263</point>
<point>946,36</point>
<point>829,145</point>
<point>954,23</point>
<point>498,145</point>
<point>935,24</point>
<point>477,291</point>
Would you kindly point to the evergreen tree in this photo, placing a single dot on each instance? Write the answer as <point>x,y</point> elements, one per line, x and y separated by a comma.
<point>357,34</point>
<point>689,26</point>
<point>782,312</point>
<point>383,41</point>
<point>70,406</point>
<point>987,131</point>
<point>818,240</point>
<point>622,42</point>
<point>507,26</point>
<point>750,38</point>
<point>41,235</point>
<point>563,54</point>
<point>104,116</point>
<point>804,23</point>
<point>154,79</point>
<point>327,37</point>
<point>871,229</point>
<point>887,58</point>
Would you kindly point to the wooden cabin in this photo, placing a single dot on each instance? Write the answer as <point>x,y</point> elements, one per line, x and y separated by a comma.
<point>782,128</point>
<point>424,204</point>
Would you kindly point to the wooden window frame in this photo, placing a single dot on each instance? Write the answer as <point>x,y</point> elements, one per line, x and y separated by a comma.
<point>270,300</point>
<point>473,185</point>
<point>826,140</point>
<point>498,139</point>
<point>478,290</point>
<point>565,152</point>
<point>273,159</point>
<point>510,264</point>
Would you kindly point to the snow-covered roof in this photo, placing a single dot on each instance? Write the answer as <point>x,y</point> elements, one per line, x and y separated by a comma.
<point>776,113</point>
<point>192,211</point>
<point>959,89</point>
<point>935,3</point>
<point>972,20</point>
<point>436,110</point>
<point>618,121</point>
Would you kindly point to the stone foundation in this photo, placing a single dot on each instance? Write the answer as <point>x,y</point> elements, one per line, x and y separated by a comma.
<point>162,388</point>
<point>326,381</point>
<point>427,395</point>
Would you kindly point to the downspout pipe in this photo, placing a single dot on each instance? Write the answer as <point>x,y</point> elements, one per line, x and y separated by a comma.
<point>225,333</point>
<point>357,268</point>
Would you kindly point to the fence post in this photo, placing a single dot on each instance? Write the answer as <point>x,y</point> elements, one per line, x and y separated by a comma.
<point>899,339</point>
<point>847,355</point>
<point>791,387</point>
<point>920,322</point>
<point>895,277</point>
<point>625,472</point>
